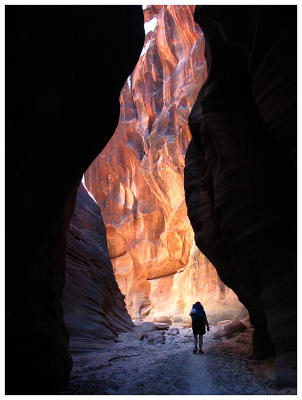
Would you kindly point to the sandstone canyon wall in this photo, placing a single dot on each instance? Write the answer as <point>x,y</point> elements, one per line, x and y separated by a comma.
<point>240,174</point>
<point>57,103</point>
<point>93,306</point>
<point>138,178</point>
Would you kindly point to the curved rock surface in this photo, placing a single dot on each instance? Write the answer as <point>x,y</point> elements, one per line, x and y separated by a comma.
<point>93,306</point>
<point>138,179</point>
<point>240,175</point>
<point>57,103</point>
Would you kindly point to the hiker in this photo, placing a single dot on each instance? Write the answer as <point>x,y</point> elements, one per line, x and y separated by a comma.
<point>199,320</point>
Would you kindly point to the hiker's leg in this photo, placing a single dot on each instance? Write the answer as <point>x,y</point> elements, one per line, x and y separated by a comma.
<point>200,341</point>
<point>195,341</point>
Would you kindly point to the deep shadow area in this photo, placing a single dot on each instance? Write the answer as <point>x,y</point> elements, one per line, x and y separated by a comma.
<point>240,175</point>
<point>65,67</point>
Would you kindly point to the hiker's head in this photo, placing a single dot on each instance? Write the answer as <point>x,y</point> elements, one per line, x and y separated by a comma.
<point>197,305</point>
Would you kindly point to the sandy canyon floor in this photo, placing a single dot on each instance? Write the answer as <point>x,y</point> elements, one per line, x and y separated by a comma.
<point>135,366</point>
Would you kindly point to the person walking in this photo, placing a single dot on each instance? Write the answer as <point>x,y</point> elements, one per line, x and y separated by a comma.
<point>199,322</point>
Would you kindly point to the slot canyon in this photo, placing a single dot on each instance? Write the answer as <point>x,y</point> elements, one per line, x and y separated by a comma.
<point>154,159</point>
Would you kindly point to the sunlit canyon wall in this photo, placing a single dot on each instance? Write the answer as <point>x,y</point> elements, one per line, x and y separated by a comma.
<point>138,179</point>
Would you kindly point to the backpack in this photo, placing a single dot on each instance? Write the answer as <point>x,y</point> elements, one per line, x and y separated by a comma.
<point>198,315</point>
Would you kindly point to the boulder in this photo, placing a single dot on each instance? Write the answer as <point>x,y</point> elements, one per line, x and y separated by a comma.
<point>229,329</point>
<point>138,333</point>
<point>219,333</point>
<point>156,338</point>
<point>163,319</point>
<point>162,325</point>
<point>233,327</point>
<point>148,326</point>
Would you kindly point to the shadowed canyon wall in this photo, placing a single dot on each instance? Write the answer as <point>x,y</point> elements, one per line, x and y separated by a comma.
<point>60,113</point>
<point>65,67</point>
<point>138,179</point>
<point>240,174</point>
<point>93,306</point>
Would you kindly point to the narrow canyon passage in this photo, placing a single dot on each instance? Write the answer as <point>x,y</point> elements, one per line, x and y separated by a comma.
<point>163,145</point>
<point>133,366</point>
<point>138,179</point>
<point>145,357</point>
<point>131,241</point>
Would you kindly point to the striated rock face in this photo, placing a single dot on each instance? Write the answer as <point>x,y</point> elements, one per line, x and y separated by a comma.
<point>174,295</point>
<point>240,175</point>
<point>138,179</point>
<point>93,306</point>
<point>57,103</point>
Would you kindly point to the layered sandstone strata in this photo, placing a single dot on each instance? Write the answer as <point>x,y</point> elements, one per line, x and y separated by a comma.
<point>93,306</point>
<point>240,176</point>
<point>138,179</point>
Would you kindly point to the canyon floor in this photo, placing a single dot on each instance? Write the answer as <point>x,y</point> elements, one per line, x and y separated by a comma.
<point>133,366</point>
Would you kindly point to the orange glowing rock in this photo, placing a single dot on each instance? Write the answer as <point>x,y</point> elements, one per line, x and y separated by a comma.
<point>138,178</point>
